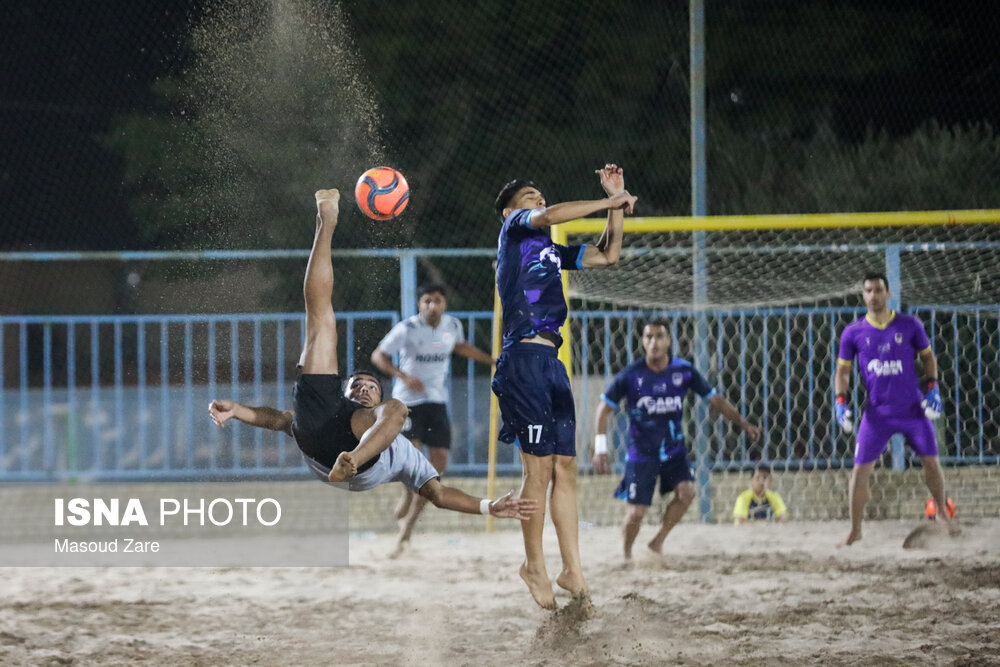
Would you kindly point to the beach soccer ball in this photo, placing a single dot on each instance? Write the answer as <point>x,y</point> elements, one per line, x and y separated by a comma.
<point>382,193</point>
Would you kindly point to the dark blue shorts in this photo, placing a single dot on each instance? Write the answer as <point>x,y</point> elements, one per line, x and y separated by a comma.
<point>536,400</point>
<point>637,486</point>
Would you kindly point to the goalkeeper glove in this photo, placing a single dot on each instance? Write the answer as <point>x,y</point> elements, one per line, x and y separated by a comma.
<point>932,401</point>
<point>844,415</point>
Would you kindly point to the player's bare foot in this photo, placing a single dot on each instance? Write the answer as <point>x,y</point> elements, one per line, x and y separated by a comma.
<point>540,587</point>
<point>656,547</point>
<point>572,582</point>
<point>852,537</point>
<point>328,205</point>
<point>343,469</point>
<point>399,549</point>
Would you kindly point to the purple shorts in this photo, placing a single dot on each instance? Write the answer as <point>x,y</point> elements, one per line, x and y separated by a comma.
<point>875,431</point>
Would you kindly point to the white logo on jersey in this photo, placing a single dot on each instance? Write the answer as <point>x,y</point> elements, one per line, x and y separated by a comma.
<point>660,405</point>
<point>678,379</point>
<point>549,255</point>
<point>898,338</point>
<point>880,368</point>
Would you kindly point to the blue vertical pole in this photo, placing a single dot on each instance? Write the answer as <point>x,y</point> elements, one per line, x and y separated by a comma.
<point>407,283</point>
<point>892,272</point>
<point>699,207</point>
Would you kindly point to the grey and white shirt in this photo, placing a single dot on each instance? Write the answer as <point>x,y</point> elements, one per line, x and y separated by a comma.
<point>424,352</point>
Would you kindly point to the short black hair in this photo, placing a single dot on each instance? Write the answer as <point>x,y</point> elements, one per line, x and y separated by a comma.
<point>364,372</point>
<point>432,288</point>
<point>507,194</point>
<point>876,275</point>
<point>659,322</point>
<point>762,468</point>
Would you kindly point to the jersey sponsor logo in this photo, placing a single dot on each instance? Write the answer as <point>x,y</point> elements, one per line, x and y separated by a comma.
<point>431,358</point>
<point>660,405</point>
<point>880,368</point>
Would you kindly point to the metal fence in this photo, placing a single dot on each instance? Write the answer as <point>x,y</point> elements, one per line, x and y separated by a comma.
<point>125,397</point>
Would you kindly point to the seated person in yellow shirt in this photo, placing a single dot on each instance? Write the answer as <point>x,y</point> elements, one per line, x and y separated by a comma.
<point>759,502</point>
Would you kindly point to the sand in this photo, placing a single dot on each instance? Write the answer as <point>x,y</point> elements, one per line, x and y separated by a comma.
<point>762,594</point>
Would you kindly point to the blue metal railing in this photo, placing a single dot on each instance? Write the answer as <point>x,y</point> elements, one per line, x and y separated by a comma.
<point>125,397</point>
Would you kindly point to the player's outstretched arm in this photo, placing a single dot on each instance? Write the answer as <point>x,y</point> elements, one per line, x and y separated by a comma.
<point>383,362</point>
<point>450,498</point>
<point>470,351</point>
<point>607,250</point>
<point>222,410</point>
<point>726,409</point>
<point>571,210</point>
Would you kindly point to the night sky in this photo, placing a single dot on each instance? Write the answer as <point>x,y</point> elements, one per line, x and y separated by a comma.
<point>69,66</point>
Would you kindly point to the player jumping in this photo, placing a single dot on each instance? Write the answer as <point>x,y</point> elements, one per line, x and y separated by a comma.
<point>531,384</point>
<point>349,436</point>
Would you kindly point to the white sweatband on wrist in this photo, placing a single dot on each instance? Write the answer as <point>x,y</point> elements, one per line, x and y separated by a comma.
<point>484,506</point>
<point>600,444</point>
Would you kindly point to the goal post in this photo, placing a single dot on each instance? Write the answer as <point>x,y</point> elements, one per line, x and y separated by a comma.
<point>778,291</point>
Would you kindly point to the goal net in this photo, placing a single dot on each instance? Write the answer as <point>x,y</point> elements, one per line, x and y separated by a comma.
<point>758,304</point>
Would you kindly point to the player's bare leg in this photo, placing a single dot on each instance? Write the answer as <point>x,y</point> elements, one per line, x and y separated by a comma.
<point>566,521</point>
<point>535,485</point>
<point>934,478</point>
<point>439,459</point>
<point>859,494</point>
<point>319,353</point>
<point>633,523</point>
<point>676,508</point>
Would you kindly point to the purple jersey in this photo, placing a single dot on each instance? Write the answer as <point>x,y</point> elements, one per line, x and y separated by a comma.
<point>529,278</point>
<point>655,404</point>
<point>885,361</point>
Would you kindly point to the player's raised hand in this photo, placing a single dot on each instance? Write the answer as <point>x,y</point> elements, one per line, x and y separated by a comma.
<point>845,418</point>
<point>932,403</point>
<point>612,179</point>
<point>221,411</point>
<point>623,200</point>
<point>507,507</point>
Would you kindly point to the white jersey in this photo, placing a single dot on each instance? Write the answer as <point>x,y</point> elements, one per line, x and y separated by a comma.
<point>425,353</point>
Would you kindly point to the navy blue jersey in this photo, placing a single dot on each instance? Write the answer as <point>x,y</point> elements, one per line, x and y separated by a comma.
<point>655,404</point>
<point>529,278</point>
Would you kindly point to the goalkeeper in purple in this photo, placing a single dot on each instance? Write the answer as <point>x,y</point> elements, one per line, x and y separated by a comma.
<point>531,384</point>
<point>885,343</point>
<point>654,389</point>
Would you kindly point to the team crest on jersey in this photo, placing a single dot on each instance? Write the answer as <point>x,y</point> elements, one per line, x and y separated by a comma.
<point>448,338</point>
<point>549,255</point>
<point>898,338</point>
<point>678,379</point>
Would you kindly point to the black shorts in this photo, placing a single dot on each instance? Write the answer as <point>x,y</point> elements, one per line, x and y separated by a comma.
<point>428,423</point>
<point>322,421</point>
